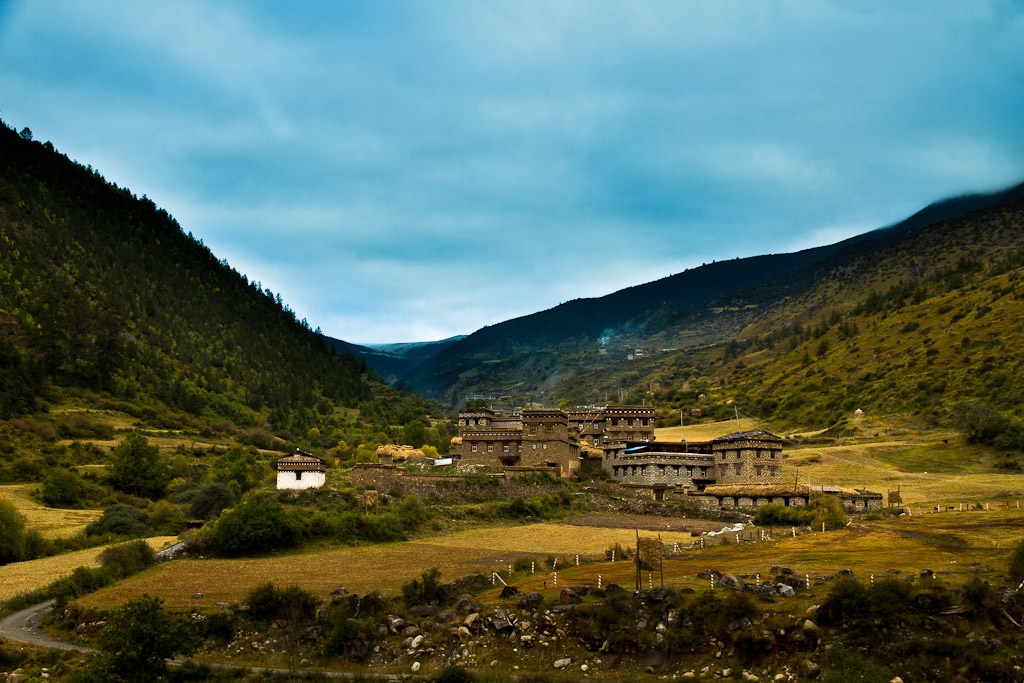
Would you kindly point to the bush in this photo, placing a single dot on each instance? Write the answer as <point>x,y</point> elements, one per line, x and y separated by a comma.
<point>212,499</point>
<point>258,525</point>
<point>166,519</point>
<point>120,520</point>
<point>428,591</point>
<point>12,533</point>
<point>1016,562</point>
<point>126,559</point>
<point>62,489</point>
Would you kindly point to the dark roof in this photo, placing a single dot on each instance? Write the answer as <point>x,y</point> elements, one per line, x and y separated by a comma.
<point>305,462</point>
<point>752,435</point>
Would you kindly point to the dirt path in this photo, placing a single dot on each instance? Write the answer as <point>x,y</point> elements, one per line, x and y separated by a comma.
<point>23,627</point>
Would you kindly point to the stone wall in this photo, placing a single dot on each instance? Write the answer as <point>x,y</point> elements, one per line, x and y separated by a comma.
<point>390,479</point>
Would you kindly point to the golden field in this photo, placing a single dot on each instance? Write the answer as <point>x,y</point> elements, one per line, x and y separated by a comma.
<point>22,577</point>
<point>50,522</point>
<point>957,546</point>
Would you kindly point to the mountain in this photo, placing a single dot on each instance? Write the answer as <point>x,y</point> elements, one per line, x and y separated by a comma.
<point>540,354</point>
<point>392,361</point>
<point>102,292</point>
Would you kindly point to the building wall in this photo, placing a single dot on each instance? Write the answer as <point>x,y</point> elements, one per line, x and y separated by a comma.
<point>296,480</point>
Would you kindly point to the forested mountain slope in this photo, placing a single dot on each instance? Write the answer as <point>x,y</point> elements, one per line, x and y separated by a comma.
<point>929,327</point>
<point>102,291</point>
<point>540,353</point>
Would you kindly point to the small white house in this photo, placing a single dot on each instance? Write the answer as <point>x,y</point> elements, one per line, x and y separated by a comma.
<point>300,471</point>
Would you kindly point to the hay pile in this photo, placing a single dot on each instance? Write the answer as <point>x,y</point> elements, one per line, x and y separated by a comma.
<point>389,452</point>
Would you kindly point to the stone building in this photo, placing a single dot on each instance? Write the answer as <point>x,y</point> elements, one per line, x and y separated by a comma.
<point>747,458</point>
<point>538,439</point>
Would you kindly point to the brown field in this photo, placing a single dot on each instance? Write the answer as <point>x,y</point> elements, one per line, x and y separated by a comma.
<point>50,522</point>
<point>21,577</point>
<point>958,546</point>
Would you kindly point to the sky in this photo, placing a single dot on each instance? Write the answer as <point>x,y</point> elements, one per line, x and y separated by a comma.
<point>408,171</point>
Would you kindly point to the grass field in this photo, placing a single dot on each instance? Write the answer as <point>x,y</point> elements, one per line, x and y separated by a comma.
<point>958,546</point>
<point>50,522</point>
<point>22,577</point>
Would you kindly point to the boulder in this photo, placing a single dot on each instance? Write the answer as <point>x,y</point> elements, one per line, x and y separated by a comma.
<point>732,582</point>
<point>509,592</point>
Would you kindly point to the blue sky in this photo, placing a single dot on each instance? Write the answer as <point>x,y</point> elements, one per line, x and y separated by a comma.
<point>407,171</point>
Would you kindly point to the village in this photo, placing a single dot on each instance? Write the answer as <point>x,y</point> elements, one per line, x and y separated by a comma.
<point>741,470</point>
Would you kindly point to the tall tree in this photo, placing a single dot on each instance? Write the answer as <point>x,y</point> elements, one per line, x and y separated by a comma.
<point>137,468</point>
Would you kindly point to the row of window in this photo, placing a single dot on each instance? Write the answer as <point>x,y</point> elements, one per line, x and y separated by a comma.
<point>663,470</point>
<point>505,447</point>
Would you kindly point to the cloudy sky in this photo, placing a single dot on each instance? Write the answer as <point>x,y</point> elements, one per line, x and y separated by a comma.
<point>404,171</point>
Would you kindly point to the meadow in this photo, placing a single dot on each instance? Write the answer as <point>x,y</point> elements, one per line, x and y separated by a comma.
<point>50,522</point>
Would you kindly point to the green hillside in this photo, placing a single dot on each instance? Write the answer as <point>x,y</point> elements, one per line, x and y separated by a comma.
<point>930,327</point>
<point>563,353</point>
<point>103,295</point>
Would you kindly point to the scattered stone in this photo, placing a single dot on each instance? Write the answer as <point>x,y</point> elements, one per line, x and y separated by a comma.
<point>531,600</point>
<point>197,596</point>
<point>845,573</point>
<point>562,662</point>
<point>415,667</point>
<point>446,616</point>
<point>725,673</point>
<point>305,662</point>
<point>896,679</point>
<point>927,574</point>
<point>584,668</point>
<point>732,581</point>
<point>340,591</point>
<point>509,592</point>
<point>786,591</point>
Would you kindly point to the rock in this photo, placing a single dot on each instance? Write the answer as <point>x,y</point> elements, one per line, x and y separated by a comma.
<point>708,574</point>
<point>732,582</point>
<point>568,596</point>
<point>463,633</point>
<point>810,627</point>
<point>416,642</point>
<point>446,616</point>
<point>415,667</point>
<point>845,573</point>
<point>197,596</point>
<point>395,624</point>
<point>584,668</point>
<point>509,592</point>
<point>811,669</point>
<point>927,574</point>
<point>562,662</point>
<point>748,676</point>
<point>726,673</point>
<point>464,605</point>
<point>531,600</point>
<point>411,631</point>
<point>340,591</point>
<point>896,679</point>
<point>785,591</point>
<point>501,622</point>
<point>690,674</point>
<point>474,622</point>
<point>423,610</point>
<point>305,662</point>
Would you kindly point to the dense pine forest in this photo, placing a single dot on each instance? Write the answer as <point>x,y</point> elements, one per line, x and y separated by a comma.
<point>104,293</point>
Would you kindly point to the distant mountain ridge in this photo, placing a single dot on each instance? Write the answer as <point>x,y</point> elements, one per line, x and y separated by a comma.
<point>392,361</point>
<point>533,354</point>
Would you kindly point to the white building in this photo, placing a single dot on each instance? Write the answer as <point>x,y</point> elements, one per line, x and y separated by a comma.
<point>300,471</point>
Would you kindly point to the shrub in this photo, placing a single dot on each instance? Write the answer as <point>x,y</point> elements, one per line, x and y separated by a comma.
<point>120,520</point>
<point>429,591</point>
<point>126,559</point>
<point>62,489</point>
<point>1016,562</point>
<point>12,533</point>
<point>166,518</point>
<point>212,499</point>
<point>259,524</point>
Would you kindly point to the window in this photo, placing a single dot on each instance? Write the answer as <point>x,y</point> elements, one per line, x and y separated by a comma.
<point>739,468</point>
<point>490,448</point>
<point>298,475</point>
<point>474,448</point>
<point>545,446</point>
<point>534,446</point>
<point>506,448</point>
